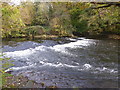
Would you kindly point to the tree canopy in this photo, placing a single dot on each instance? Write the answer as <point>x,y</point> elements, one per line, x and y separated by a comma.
<point>61,18</point>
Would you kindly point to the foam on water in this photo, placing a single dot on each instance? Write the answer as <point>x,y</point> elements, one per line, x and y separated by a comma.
<point>26,52</point>
<point>19,68</point>
<point>79,43</point>
<point>51,62</point>
<point>104,69</point>
<point>62,48</point>
<point>87,66</point>
<point>97,69</point>
<point>58,65</point>
<point>58,48</point>
<point>43,64</point>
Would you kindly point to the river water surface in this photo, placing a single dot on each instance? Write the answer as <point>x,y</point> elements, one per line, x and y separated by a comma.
<point>83,63</point>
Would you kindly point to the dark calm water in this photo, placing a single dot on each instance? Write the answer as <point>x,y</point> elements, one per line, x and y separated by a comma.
<point>88,63</point>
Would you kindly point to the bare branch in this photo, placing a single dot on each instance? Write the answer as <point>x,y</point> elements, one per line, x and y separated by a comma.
<point>108,4</point>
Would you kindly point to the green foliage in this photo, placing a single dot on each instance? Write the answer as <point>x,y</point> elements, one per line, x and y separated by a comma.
<point>105,20</point>
<point>33,30</point>
<point>79,23</point>
<point>60,22</point>
<point>11,20</point>
<point>59,18</point>
<point>41,14</point>
<point>95,21</point>
<point>27,12</point>
<point>5,65</point>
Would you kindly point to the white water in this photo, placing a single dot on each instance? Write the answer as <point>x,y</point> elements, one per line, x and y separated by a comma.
<point>84,67</point>
<point>79,59</point>
<point>57,48</point>
<point>62,63</point>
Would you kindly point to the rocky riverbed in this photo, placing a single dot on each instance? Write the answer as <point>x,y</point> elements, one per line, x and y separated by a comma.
<point>23,82</point>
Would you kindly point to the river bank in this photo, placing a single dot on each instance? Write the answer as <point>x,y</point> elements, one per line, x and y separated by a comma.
<point>107,36</point>
<point>51,37</point>
<point>23,82</point>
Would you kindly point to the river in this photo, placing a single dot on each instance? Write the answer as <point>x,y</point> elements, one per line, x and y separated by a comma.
<point>81,62</point>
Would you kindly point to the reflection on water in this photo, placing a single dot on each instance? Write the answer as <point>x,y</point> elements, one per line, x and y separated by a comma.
<point>79,63</point>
